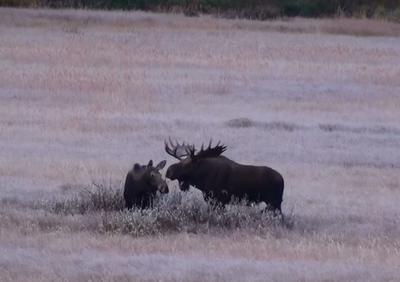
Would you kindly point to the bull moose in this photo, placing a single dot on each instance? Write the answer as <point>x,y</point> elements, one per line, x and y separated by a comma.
<point>142,183</point>
<point>221,178</point>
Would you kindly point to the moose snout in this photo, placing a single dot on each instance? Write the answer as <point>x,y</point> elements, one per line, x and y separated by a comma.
<point>163,188</point>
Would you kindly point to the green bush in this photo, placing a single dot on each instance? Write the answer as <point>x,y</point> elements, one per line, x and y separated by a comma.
<point>253,9</point>
<point>394,15</point>
<point>21,3</point>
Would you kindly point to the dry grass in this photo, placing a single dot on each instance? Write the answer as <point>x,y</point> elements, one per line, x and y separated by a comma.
<point>84,95</point>
<point>174,212</point>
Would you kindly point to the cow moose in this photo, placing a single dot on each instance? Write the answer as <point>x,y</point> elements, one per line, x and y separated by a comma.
<point>142,183</point>
<point>221,178</point>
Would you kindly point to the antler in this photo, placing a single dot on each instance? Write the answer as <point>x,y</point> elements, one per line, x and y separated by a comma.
<point>177,150</point>
<point>211,151</point>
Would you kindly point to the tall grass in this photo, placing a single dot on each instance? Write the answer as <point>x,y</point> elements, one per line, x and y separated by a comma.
<point>97,197</point>
<point>174,212</point>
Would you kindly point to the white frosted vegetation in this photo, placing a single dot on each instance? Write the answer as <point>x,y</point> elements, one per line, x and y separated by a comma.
<point>84,95</point>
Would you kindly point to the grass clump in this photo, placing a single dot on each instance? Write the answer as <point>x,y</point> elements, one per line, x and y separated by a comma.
<point>170,213</point>
<point>96,197</point>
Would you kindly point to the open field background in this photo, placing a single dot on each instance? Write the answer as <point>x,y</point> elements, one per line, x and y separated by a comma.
<point>84,95</point>
<point>250,9</point>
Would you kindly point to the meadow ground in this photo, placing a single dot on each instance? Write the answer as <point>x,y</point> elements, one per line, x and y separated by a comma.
<point>84,95</point>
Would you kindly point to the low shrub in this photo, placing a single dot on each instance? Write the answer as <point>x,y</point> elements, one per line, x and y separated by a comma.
<point>173,212</point>
<point>97,197</point>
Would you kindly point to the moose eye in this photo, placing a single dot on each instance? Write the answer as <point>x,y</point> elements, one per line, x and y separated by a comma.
<point>153,175</point>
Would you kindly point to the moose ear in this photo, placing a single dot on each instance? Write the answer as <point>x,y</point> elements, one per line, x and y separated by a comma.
<point>136,167</point>
<point>161,165</point>
<point>150,164</point>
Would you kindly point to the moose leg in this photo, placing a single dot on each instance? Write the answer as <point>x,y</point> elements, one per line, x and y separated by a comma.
<point>213,199</point>
<point>146,202</point>
<point>207,196</point>
<point>128,204</point>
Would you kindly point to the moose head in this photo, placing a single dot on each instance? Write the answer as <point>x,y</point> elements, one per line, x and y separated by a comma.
<point>142,183</point>
<point>151,175</point>
<point>191,163</point>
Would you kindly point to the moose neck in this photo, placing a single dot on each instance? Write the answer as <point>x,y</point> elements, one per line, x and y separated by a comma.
<point>200,177</point>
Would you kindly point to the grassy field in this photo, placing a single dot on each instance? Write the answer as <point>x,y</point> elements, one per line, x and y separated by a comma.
<point>84,95</point>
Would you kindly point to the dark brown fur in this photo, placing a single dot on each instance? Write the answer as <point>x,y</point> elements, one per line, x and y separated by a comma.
<point>142,183</point>
<point>221,178</point>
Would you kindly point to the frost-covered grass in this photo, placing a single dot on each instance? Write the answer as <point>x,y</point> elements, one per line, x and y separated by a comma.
<point>85,95</point>
<point>93,198</point>
<point>170,213</point>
